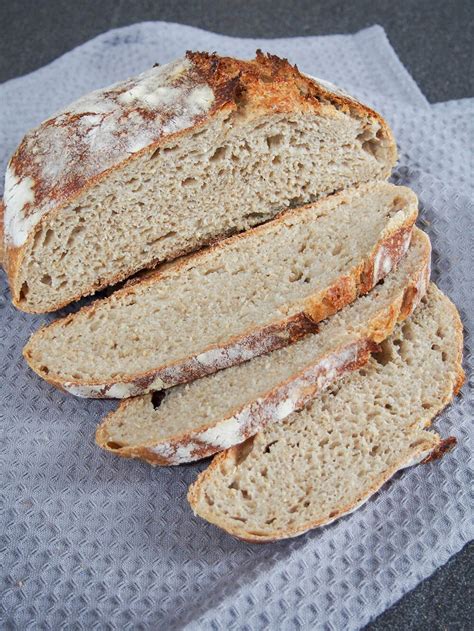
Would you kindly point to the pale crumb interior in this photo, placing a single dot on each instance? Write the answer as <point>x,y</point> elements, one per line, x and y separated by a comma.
<point>222,178</point>
<point>191,407</point>
<point>252,282</point>
<point>325,460</point>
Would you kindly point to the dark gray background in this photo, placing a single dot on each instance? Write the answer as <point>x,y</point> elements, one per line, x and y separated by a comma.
<point>433,38</point>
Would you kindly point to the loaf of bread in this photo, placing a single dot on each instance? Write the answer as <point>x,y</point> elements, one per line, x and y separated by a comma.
<point>196,420</point>
<point>249,294</point>
<point>328,459</point>
<point>163,163</point>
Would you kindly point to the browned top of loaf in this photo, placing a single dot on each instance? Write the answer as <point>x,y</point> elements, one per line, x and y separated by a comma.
<point>79,145</point>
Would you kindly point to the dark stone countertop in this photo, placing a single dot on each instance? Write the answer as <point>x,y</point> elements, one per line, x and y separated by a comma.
<point>433,38</point>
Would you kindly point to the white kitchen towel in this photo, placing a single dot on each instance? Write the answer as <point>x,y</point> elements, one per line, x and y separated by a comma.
<point>90,541</point>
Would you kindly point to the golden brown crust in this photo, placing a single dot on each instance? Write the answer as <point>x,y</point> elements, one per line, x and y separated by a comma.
<point>251,342</point>
<point>266,83</point>
<point>446,445</point>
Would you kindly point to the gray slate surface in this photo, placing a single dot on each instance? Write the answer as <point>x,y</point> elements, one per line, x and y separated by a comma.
<point>432,38</point>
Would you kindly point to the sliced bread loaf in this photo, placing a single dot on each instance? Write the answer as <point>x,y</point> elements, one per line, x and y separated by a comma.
<point>327,460</point>
<point>250,294</point>
<point>178,156</point>
<point>211,414</point>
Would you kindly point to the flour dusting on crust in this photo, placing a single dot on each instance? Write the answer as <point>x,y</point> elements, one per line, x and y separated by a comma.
<point>94,134</point>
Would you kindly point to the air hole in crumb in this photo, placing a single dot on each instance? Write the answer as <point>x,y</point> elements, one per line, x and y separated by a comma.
<point>163,237</point>
<point>276,160</point>
<point>384,355</point>
<point>270,521</point>
<point>74,232</point>
<point>444,356</point>
<point>333,513</point>
<point>295,276</point>
<point>426,405</point>
<point>245,495</point>
<point>274,141</point>
<point>46,280</point>
<point>337,249</point>
<point>244,451</point>
<point>375,449</point>
<point>294,202</point>
<point>189,181</point>
<point>209,500</point>
<point>236,518</point>
<point>398,203</point>
<point>218,154</point>
<point>267,448</point>
<point>44,369</point>
<point>388,406</point>
<point>157,398</point>
<point>47,237</point>
<point>234,485</point>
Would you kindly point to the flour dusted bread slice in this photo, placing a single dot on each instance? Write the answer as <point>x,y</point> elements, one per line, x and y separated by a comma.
<point>247,295</point>
<point>163,163</point>
<point>328,459</point>
<point>201,418</point>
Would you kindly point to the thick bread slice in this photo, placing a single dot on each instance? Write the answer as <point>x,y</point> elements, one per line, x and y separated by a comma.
<point>211,414</point>
<point>250,294</point>
<point>163,163</point>
<point>327,460</point>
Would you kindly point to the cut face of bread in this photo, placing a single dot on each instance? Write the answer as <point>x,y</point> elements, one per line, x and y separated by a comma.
<point>163,163</point>
<point>211,414</point>
<point>248,295</point>
<point>328,459</point>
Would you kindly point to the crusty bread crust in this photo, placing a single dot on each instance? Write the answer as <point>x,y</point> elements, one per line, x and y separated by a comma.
<point>284,398</point>
<point>266,84</point>
<point>422,453</point>
<point>252,342</point>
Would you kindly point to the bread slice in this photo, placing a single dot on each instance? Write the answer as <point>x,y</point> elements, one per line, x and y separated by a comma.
<point>250,294</point>
<point>327,460</point>
<point>163,163</point>
<point>199,419</point>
